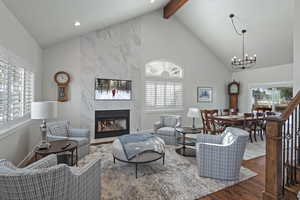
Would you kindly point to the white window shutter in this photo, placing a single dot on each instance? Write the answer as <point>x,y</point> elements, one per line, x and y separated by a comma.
<point>28,91</point>
<point>16,85</point>
<point>160,94</point>
<point>4,105</point>
<point>178,94</point>
<point>16,92</point>
<point>163,86</point>
<point>150,93</point>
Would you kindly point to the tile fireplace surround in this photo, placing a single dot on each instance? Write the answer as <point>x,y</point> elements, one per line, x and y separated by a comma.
<point>111,123</point>
<point>120,59</point>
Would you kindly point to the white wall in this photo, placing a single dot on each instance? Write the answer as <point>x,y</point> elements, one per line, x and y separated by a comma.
<point>160,39</point>
<point>275,74</point>
<point>15,143</point>
<point>63,57</point>
<point>172,41</point>
<point>296,70</point>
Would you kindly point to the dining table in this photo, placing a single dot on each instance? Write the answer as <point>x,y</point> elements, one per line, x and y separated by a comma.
<point>236,120</point>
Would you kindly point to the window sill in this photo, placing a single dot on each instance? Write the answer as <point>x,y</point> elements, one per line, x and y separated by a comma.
<point>164,110</point>
<point>6,131</point>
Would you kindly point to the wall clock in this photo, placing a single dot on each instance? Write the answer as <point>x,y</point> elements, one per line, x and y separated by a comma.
<point>62,79</point>
<point>233,91</point>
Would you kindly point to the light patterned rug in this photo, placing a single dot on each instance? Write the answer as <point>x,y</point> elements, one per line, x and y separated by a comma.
<point>255,149</point>
<point>176,180</point>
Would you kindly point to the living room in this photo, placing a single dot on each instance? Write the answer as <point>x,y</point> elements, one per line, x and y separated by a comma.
<point>171,56</point>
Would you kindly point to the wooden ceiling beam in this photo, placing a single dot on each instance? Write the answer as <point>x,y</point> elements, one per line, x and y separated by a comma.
<point>172,7</point>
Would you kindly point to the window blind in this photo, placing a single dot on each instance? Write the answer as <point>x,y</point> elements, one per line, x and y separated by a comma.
<point>28,93</point>
<point>163,94</point>
<point>3,91</point>
<point>16,92</point>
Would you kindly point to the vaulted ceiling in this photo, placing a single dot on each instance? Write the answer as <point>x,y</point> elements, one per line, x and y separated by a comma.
<point>51,21</point>
<point>269,22</point>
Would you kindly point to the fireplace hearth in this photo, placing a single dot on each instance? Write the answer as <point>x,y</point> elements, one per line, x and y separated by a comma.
<point>111,123</point>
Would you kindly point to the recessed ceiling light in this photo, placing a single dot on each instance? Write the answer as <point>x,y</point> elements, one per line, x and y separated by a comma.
<point>77,23</point>
<point>152,1</point>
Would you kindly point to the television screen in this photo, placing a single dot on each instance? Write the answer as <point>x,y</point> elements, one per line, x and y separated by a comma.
<point>110,89</point>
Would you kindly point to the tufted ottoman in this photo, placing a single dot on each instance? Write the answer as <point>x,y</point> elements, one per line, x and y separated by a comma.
<point>138,149</point>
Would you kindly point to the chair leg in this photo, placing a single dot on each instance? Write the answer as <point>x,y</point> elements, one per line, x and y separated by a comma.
<point>261,135</point>
<point>255,136</point>
<point>250,136</point>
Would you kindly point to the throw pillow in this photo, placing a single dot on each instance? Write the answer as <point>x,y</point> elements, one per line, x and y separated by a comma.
<point>60,128</point>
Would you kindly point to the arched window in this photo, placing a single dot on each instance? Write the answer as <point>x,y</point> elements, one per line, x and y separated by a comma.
<point>163,85</point>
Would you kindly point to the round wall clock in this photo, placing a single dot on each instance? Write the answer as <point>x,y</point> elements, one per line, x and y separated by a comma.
<point>62,79</point>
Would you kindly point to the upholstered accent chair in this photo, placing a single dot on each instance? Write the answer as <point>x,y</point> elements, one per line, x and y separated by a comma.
<point>45,179</point>
<point>61,130</point>
<point>166,128</point>
<point>220,156</point>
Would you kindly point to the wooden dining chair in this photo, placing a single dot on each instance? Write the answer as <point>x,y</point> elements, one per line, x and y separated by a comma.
<point>233,111</point>
<point>261,109</point>
<point>250,125</point>
<point>270,113</point>
<point>204,122</point>
<point>213,126</point>
<point>260,124</point>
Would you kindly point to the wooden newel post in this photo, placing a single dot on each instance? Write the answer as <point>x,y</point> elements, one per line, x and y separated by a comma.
<point>273,185</point>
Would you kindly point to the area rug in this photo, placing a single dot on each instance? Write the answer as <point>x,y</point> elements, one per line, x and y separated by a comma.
<point>176,180</point>
<point>255,149</point>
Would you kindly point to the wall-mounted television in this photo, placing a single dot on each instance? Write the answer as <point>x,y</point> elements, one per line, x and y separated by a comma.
<point>112,89</point>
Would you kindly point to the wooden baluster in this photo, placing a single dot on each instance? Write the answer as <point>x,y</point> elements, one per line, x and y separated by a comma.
<point>273,186</point>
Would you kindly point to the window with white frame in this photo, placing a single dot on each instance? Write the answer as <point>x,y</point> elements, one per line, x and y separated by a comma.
<point>163,86</point>
<point>16,92</point>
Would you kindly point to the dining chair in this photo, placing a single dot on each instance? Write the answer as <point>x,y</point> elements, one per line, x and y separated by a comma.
<point>203,117</point>
<point>250,125</point>
<point>213,126</point>
<point>261,109</point>
<point>260,124</point>
<point>233,111</point>
<point>270,113</point>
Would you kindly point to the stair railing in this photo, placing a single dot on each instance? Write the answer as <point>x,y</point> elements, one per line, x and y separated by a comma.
<point>282,152</point>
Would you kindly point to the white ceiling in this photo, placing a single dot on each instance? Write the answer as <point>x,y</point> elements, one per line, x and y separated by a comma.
<point>269,24</point>
<point>51,21</point>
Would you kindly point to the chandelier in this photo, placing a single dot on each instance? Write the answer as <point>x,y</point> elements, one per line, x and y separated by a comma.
<point>245,61</point>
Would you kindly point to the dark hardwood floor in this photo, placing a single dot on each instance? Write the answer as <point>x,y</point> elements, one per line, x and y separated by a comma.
<point>247,190</point>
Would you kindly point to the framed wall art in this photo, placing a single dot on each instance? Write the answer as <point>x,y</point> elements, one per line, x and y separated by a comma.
<point>205,94</point>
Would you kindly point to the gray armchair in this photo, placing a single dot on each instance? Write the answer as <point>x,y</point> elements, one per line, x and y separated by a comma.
<point>61,130</point>
<point>220,156</point>
<point>45,179</point>
<point>165,128</point>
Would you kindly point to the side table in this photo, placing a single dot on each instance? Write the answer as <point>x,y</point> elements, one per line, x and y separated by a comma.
<point>60,146</point>
<point>184,150</point>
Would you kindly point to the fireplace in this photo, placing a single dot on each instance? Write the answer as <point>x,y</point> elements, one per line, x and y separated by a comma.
<point>111,123</point>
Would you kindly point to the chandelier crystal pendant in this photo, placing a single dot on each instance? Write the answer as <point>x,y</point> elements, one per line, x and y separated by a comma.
<point>245,61</point>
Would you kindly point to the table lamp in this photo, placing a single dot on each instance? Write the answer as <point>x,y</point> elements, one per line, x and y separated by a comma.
<point>44,110</point>
<point>193,113</point>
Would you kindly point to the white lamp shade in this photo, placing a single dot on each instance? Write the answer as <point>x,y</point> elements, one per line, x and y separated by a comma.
<point>44,110</point>
<point>194,113</point>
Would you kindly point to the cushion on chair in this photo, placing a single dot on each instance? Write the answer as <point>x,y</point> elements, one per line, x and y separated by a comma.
<point>81,140</point>
<point>60,128</point>
<point>228,138</point>
<point>167,131</point>
<point>170,121</point>
<point>6,170</point>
